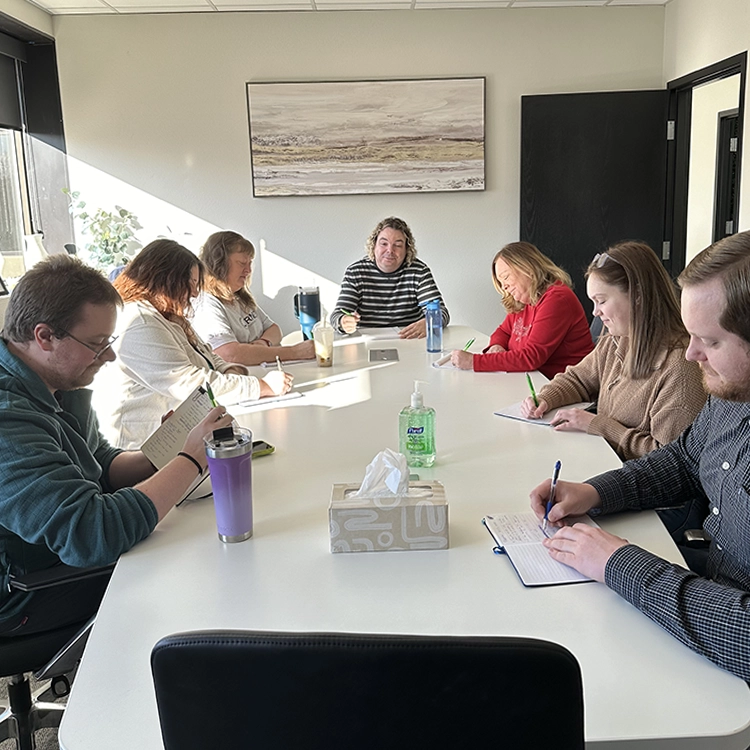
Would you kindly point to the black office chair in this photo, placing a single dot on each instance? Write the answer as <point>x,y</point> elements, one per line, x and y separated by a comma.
<point>52,655</point>
<point>241,689</point>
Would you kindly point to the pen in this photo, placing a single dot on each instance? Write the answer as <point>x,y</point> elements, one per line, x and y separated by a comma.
<point>346,312</point>
<point>531,388</point>
<point>553,487</point>
<point>468,344</point>
<point>278,364</point>
<point>211,394</point>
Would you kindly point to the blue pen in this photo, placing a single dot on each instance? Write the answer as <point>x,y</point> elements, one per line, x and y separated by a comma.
<point>553,487</point>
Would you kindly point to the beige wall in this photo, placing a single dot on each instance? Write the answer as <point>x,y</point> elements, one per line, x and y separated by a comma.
<point>700,33</point>
<point>156,105</point>
<point>708,101</point>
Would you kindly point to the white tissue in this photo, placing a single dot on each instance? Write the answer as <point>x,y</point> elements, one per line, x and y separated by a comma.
<point>386,475</point>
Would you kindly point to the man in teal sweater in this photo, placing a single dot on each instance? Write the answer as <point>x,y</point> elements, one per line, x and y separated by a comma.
<point>67,495</point>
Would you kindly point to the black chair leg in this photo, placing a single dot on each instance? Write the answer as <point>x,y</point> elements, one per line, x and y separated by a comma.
<point>24,716</point>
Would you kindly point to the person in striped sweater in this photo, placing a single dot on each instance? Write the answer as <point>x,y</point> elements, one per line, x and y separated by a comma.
<point>389,286</point>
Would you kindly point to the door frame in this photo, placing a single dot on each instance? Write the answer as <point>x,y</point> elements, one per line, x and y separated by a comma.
<point>678,153</point>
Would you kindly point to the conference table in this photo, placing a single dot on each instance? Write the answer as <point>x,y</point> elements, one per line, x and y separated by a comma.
<point>643,689</point>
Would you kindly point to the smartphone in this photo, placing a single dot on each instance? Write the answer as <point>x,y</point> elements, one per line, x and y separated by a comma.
<point>262,448</point>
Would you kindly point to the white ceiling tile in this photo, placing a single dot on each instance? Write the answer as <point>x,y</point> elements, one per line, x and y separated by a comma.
<point>263,4</point>
<point>361,4</point>
<point>152,5</point>
<point>556,3</point>
<point>88,10</point>
<point>467,4</point>
<point>638,2</point>
<point>72,4</point>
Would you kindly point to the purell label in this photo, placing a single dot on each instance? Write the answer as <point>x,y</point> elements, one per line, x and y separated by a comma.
<point>414,430</point>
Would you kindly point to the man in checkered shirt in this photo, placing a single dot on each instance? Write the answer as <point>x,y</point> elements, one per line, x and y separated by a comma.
<point>710,461</point>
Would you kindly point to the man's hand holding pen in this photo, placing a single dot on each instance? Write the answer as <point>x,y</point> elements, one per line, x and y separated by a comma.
<point>585,548</point>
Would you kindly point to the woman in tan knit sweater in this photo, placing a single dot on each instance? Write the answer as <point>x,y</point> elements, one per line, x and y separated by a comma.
<point>646,392</point>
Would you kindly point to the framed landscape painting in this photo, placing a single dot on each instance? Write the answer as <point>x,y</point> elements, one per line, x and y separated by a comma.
<point>361,137</point>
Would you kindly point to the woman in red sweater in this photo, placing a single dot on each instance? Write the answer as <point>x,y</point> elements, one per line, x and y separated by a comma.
<point>545,327</point>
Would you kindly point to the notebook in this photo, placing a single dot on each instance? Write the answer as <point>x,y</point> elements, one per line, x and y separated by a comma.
<point>520,536</point>
<point>514,412</point>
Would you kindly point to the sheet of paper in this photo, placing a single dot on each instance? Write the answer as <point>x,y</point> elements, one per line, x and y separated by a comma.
<point>378,334</point>
<point>262,403</point>
<point>514,412</point>
<point>520,536</point>
<point>536,568</point>
<point>286,363</point>
<point>169,438</point>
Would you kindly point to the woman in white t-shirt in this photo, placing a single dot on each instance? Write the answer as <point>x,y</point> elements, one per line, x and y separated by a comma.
<point>227,316</point>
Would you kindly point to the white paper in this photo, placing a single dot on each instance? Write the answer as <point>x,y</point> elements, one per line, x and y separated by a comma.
<point>168,440</point>
<point>287,362</point>
<point>267,401</point>
<point>378,334</point>
<point>514,412</point>
<point>520,536</point>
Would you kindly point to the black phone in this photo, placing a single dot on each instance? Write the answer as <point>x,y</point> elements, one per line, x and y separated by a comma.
<point>262,448</point>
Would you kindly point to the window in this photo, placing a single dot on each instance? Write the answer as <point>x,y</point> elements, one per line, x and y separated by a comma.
<point>14,207</point>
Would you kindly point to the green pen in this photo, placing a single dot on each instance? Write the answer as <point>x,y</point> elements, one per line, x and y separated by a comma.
<point>210,394</point>
<point>346,312</point>
<point>531,388</point>
<point>468,344</point>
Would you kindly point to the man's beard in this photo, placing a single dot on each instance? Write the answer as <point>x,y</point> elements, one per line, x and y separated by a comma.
<point>728,391</point>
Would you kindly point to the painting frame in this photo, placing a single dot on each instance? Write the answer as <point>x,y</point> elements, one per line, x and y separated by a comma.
<point>367,137</point>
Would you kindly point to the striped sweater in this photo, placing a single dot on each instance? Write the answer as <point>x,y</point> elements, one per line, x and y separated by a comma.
<point>386,299</point>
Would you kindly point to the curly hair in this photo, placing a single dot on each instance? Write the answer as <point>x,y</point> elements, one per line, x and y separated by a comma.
<point>392,222</point>
<point>655,321</point>
<point>215,254</point>
<point>161,275</point>
<point>526,259</point>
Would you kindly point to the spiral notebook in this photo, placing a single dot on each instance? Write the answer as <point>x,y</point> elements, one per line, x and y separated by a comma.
<point>520,537</point>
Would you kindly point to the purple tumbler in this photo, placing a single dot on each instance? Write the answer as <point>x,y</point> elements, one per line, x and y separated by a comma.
<point>230,453</point>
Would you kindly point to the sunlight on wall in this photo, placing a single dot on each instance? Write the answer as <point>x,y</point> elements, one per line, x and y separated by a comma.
<point>279,273</point>
<point>156,217</point>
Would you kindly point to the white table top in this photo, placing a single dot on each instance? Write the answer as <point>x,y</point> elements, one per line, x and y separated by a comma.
<point>641,685</point>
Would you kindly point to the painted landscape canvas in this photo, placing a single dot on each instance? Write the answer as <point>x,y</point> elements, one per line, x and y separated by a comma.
<point>357,137</point>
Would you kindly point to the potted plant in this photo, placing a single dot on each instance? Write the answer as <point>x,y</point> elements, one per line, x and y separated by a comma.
<point>113,242</point>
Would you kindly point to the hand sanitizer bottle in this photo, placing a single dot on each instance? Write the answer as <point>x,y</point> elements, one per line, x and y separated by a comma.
<point>416,428</point>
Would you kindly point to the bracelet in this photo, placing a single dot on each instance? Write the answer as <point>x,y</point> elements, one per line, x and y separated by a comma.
<point>191,459</point>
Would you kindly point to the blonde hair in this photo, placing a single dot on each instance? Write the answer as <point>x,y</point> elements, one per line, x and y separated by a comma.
<point>215,254</point>
<point>655,322</point>
<point>529,261</point>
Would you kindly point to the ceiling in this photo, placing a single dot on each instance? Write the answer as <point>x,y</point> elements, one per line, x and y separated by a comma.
<point>68,7</point>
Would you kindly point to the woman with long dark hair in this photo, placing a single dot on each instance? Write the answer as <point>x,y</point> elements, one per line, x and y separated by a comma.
<point>160,358</point>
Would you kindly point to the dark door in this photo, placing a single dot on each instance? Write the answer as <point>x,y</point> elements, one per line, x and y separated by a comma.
<point>593,172</point>
<point>727,175</point>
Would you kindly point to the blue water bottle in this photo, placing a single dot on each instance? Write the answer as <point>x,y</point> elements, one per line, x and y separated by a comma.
<point>434,317</point>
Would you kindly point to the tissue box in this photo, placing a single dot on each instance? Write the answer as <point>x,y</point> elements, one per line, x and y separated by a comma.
<point>418,520</point>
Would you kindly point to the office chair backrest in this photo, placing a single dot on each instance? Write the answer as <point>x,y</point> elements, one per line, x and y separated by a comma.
<point>273,691</point>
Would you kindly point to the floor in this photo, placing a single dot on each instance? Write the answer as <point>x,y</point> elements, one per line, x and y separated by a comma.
<point>46,739</point>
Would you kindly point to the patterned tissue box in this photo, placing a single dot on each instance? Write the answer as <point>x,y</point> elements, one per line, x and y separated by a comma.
<point>415,521</point>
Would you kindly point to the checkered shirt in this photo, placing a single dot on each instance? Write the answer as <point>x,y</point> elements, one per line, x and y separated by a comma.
<point>711,458</point>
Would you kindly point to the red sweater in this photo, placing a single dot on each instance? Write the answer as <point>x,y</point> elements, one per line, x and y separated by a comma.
<point>547,336</point>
